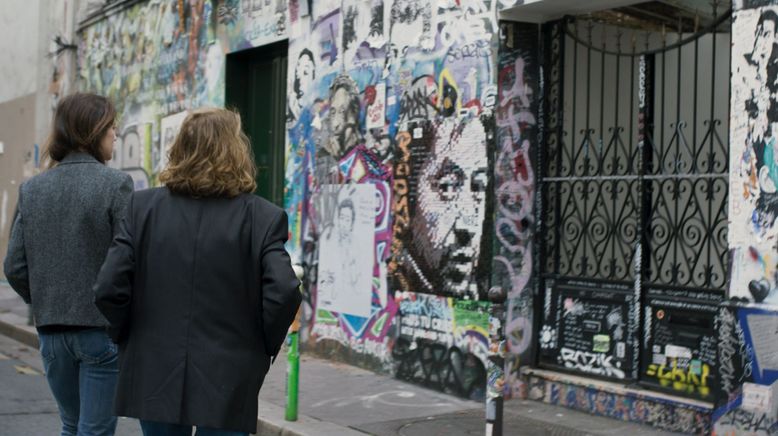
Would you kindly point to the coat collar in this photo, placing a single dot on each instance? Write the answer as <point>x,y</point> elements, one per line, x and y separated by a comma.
<point>78,157</point>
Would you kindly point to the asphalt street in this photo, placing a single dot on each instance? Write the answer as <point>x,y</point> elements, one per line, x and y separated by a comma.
<point>27,407</point>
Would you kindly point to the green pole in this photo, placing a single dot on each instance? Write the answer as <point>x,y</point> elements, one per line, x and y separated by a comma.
<point>292,377</point>
<point>293,357</point>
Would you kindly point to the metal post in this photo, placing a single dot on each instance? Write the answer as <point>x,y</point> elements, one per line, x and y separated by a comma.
<point>495,373</point>
<point>293,357</point>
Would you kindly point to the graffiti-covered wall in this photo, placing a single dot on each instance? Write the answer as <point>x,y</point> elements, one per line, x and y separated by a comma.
<point>747,326</point>
<point>753,171</point>
<point>518,83</point>
<point>160,58</point>
<point>392,106</point>
<point>748,367</point>
<point>408,146</point>
<point>411,153</point>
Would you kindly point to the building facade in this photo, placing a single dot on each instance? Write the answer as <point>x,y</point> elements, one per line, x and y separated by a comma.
<point>609,164</point>
<point>37,70</point>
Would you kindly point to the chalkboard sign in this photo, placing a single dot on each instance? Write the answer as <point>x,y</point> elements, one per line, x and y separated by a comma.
<point>587,330</point>
<point>680,348</point>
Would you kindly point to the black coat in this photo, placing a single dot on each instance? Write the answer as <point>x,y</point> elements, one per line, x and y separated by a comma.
<point>199,294</point>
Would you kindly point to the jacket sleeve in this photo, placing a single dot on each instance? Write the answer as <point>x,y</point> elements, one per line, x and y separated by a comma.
<point>280,288</point>
<point>119,202</point>
<point>15,264</point>
<point>113,288</point>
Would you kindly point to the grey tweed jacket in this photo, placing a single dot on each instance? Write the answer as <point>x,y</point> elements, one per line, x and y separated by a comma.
<point>64,223</point>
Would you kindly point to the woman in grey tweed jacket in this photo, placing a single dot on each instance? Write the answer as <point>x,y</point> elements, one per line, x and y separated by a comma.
<point>64,223</point>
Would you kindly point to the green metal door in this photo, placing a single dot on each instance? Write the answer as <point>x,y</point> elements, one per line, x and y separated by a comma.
<point>256,87</point>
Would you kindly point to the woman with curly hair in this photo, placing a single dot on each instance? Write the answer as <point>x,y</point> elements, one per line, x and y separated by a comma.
<point>198,287</point>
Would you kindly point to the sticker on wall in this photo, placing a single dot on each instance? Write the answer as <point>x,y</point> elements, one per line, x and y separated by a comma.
<point>674,351</point>
<point>695,367</point>
<point>621,350</point>
<point>602,343</point>
<point>764,330</point>
<point>548,337</point>
<point>759,398</point>
<point>375,97</point>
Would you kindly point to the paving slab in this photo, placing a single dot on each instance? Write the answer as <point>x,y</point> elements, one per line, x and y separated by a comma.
<point>350,396</point>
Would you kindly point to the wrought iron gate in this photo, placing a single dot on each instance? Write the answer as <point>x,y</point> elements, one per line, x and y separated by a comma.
<point>634,193</point>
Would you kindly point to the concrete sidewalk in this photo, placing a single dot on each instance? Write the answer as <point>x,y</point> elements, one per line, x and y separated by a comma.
<point>338,399</point>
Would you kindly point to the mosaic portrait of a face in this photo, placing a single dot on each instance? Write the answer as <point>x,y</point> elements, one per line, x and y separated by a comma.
<point>445,245</point>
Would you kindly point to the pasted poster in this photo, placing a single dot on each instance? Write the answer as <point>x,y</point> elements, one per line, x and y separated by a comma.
<point>764,329</point>
<point>753,191</point>
<point>169,127</point>
<point>411,23</point>
<point>440,336</point>
<point>345,255</point>
<point>363,28</point>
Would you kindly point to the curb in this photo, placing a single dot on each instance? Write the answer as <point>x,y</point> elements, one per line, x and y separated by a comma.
<point>24,335</point>
<point>270,420</point>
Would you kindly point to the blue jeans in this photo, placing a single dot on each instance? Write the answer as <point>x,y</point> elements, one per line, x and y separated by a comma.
<point>81,368</point>
<point>151,428</point>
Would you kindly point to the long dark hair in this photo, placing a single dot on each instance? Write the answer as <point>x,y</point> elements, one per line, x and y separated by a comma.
<point>80,122</point>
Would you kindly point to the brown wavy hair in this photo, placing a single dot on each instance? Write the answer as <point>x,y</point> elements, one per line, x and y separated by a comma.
<point>211,156</point>
<point>80,122</point>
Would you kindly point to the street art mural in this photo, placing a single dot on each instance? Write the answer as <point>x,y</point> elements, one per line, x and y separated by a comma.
<point>252,23</point>
<point>160,58</point>
<point>753,169</point>
<point>412,147</point>
<point>748,326</point>
<point>442,343</point>
<point>392,134</point>
<point>398,96</point>
<point>438,249</point>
